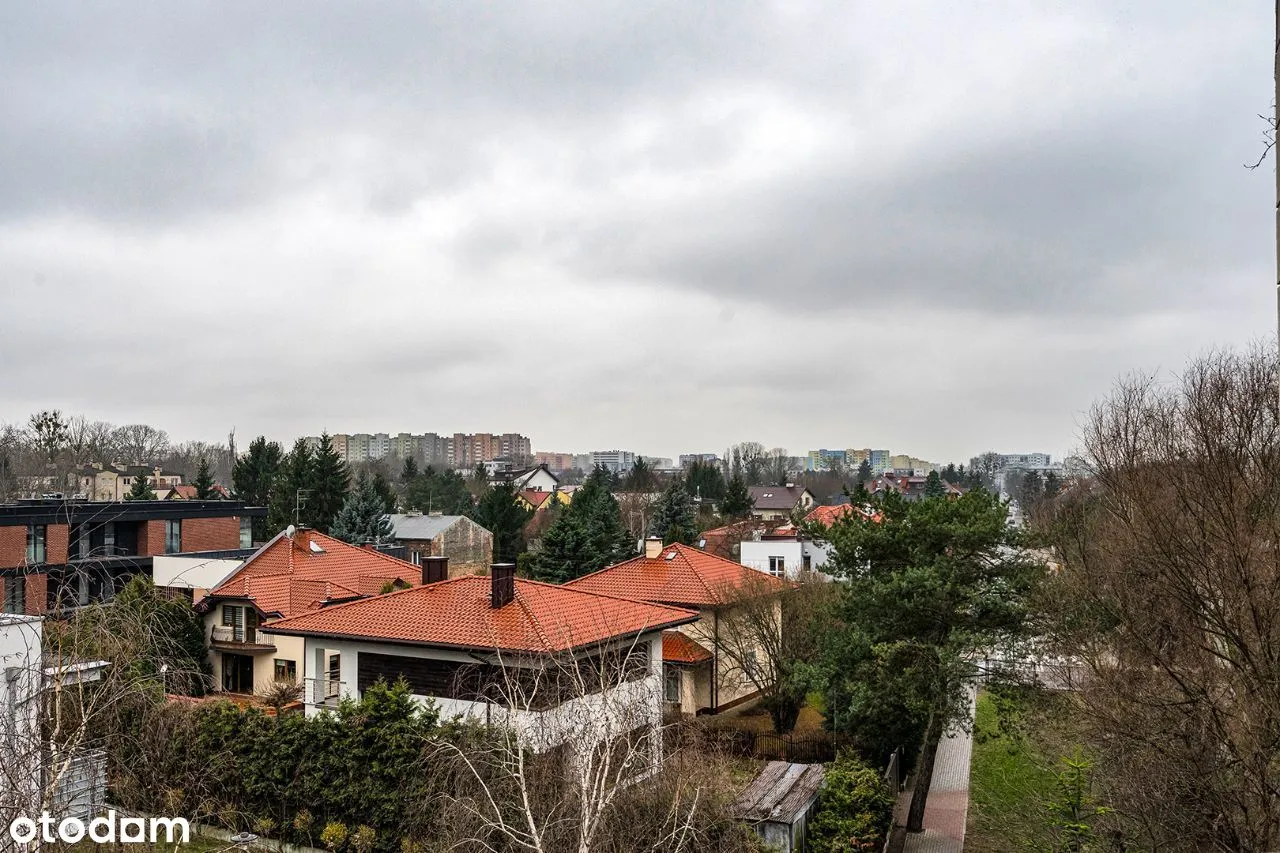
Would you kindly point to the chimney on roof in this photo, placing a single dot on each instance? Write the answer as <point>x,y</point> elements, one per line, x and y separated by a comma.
<point>435,569</point>
<point>652,548</point>
<point>435,513</point>
<point>502,584</point>
<point>368,546</point>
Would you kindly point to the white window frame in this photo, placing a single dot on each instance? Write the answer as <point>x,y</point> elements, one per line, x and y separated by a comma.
<point>778,566</point>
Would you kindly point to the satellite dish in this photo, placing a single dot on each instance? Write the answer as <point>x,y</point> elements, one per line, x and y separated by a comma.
<point>290,530</point>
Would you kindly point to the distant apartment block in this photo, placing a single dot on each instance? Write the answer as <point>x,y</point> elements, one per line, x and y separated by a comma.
<point>1026,461</point>
<point>459,451</point>
<point>554,461</point>
<point>617,461</point>
<point>825,460</point>
<point>687,459</point>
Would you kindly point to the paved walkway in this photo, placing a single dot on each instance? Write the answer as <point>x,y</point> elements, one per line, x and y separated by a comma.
<point>948,806</point>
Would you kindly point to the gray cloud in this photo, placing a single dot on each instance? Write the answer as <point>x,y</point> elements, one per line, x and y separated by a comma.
<point>808,223</point>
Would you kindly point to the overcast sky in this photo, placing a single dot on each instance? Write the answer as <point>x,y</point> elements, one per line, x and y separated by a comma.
<point>934,227</point>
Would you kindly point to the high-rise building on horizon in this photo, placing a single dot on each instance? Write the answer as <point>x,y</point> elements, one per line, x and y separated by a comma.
<point>460,451</point>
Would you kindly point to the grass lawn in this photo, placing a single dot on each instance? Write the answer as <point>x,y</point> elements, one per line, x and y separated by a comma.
<point>1012,778</point>
<point>756,719</point>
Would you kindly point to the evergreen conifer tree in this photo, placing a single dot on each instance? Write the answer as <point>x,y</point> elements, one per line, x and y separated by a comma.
<point>501,513</point>
<point>204,482</point>
<point>588,535</point>
<point>330,481</point>
<point>140,489</point>
<point>737,502</point>
<point>384,490</point>
<point>933,487</point>
<point>675,519</point>
<point>253,476</point>
<point>291,500</point>
<point>363,517</point>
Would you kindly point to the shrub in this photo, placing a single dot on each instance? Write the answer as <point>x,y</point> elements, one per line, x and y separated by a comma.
<point>855,809</point>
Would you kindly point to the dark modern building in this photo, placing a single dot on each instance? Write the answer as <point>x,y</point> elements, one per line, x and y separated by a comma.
<point>56,554</point>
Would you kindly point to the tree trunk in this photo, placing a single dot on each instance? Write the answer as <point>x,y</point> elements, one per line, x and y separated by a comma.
<point>924,774</point>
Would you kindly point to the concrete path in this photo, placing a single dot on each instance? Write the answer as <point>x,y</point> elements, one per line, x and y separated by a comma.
<point>948,806</point>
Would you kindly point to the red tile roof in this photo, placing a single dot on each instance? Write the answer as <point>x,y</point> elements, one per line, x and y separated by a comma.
<point>827,515</point>
<point>679,648</point>
<point>457,613</point>
<point>678,575</point>
<point>287,577</point>
<point>535,498</point>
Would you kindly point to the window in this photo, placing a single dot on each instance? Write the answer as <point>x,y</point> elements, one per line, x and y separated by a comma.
<point>777,566</point>
<point>750,664</point>
<point>233,618</point>
<point>246,532</point>
<point>332,687</point>
<point>286,670</point>
<point>15,594</point>
<point>109,539</point>
<point>807,562</point>
<point>415,557</point>
<point>671,684</point>
<point>35,543</point>
<point>173,536</point>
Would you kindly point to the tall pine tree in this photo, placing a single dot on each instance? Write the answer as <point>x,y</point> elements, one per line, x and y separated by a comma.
<point>736,503</point>
<point>501,513</point>
<point>363,517</point>
<point>253,476</point>
<point>675,519</point>
<point>204,482</point>
<point>291,490</point>
<point>330,481</point>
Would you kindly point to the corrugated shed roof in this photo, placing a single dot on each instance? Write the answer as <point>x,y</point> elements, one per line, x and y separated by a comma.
<point>780,793</point>
<point>421,526</point>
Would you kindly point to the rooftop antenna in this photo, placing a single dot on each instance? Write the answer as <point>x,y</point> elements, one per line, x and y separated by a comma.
<point>297,505</point>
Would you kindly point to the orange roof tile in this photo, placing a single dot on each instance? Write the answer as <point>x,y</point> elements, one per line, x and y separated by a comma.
<point>827,515</point>
<point>679,648</point>
<point>457,613</point>
<point>287,577</point>
<point>535,498</point>
<point>679,575</point>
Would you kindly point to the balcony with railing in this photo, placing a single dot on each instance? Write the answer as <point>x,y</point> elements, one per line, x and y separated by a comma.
<point>240,638</point>
<point>322,692</point>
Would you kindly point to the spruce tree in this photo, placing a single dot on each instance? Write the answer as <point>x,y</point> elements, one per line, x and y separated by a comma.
<point>933,487</point>
<point>363,517</point>
<point>252,478</point>
<point>204,482</point>
<point>291,501</point>
<point>501,513</point>
<point>141,489</point>
<point>675,519</point>
<point>737,502</point>
<point>865,474</point>
<point>588,535</point>
<point>384,490</point>
<point>330,481</point>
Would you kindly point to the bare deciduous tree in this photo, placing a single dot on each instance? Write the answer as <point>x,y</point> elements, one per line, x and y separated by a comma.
<point>1169,595</point>
<point>570,776</point>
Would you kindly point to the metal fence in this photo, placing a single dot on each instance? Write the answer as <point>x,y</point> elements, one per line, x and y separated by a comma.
<point>809,748</point>
<point>82,789</point>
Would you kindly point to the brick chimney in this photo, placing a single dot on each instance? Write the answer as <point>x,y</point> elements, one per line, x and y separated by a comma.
<point>652,547</point>
<point>502,584</point>
<point>435,569</point>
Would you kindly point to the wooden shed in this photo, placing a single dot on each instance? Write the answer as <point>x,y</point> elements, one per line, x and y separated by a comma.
<point>779,803</point>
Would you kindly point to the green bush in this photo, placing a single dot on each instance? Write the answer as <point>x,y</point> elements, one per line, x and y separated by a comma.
<point>359,766</point>
<point>855,809</point>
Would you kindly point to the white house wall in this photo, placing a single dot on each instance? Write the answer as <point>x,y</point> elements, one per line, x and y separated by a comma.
<point>630,705</point>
